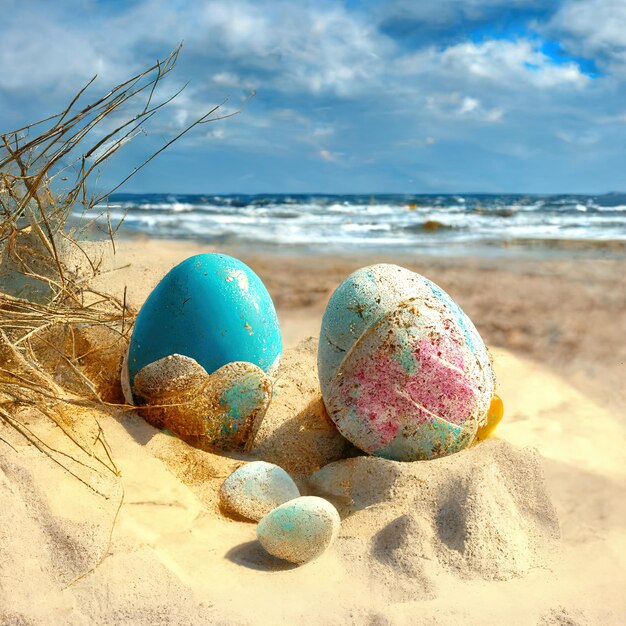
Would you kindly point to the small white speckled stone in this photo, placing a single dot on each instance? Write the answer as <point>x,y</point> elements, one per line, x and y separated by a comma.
<point>300,530</point>
<point>256,488</point>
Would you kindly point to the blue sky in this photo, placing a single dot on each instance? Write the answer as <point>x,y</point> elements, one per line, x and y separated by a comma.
<point>359,96</point>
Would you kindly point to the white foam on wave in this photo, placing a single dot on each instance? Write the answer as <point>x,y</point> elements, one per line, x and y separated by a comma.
<point>359,221</point>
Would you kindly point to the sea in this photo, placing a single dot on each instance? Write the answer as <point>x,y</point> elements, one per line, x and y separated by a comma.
<point>321,223</point>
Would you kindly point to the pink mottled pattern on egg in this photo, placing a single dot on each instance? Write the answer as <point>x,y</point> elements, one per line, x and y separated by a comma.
<point>441,386</point>
<point>373,401</point>
<point>388,395</point>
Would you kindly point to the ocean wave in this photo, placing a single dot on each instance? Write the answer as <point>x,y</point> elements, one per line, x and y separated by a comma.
<point>618,208</point>
<point>389,221</point>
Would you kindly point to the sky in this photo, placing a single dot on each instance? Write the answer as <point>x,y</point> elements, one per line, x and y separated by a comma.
<point>353,96</point>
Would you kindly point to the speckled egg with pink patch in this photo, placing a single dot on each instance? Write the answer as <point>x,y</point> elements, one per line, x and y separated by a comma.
<point>403,371</point>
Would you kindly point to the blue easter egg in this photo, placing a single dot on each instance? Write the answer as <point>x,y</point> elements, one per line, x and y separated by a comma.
<point>212,308</point>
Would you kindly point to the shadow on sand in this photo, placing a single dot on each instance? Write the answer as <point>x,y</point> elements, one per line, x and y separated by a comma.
<point>252,556</point>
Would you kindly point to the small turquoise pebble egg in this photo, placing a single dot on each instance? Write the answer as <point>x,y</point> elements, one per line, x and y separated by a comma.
<point>299,530</point>
<point>212,308</point>
<point>403,371</point>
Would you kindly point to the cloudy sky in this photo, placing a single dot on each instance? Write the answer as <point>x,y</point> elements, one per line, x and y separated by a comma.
<point>351,96</point>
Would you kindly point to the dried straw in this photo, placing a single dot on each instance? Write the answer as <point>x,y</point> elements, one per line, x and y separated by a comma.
<point>58,334</point>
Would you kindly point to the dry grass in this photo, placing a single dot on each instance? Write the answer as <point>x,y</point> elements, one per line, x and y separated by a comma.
<point>61,340</point>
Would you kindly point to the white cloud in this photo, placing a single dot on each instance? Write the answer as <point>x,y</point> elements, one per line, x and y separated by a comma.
<point>501,62</point>
<point>226,78</point>
<point>468,105</point>
<point>595,29</point>
<point>50,59</point>
<point>317,48</point>
<point>455,105</point>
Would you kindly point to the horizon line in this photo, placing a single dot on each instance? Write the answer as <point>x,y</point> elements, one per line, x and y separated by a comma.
<point>368,193</point>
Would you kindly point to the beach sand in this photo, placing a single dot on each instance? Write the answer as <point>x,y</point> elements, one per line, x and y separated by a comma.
<point>527,528</point>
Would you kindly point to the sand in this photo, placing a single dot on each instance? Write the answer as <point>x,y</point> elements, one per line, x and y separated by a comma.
<point>526,528</point>
<point>296,433</point>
